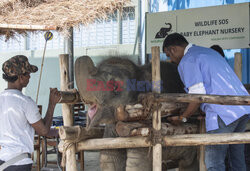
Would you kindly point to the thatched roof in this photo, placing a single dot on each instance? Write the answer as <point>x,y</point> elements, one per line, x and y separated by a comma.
<point>25,15</point>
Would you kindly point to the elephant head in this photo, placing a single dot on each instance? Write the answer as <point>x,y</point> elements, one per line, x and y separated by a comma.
<point>104,87</point>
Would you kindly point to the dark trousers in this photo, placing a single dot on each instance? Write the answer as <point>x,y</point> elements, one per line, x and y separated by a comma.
<point>26,167</point>
<point>215,154</point>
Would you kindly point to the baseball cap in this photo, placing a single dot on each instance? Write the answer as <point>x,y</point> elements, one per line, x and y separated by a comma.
<point>18,65</point>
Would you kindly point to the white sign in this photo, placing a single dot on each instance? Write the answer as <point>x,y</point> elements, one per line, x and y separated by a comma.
<point>225,25</point>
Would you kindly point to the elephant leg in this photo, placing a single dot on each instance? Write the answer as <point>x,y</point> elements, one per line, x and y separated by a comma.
<point>113,160</point>
<point>190,161</point>
<point>138,160</point>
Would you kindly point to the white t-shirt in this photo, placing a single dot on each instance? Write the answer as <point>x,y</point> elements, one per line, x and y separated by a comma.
<point>17,113</point>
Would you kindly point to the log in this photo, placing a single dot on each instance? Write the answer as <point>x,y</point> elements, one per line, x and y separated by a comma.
<point>206,139</point>
<point>113,143</point>
<point>137,112</point>
<point>172,140</point>
<point>67,111</point>
<point>126,129</point>
<point>73,133</point>
<point>120,114</point>
<point>156,119</point>
<point>238,65</point>
<point>140,132</point>
<point>70,97</point>
<point>201,98</point>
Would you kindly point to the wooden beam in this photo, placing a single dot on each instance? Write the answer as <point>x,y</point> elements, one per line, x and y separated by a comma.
<point>206,139</point>
<point>27,27</point>
<point>201,98</point>
<point>113,143</point>
<point>156,118</point>
<point>172,140</point>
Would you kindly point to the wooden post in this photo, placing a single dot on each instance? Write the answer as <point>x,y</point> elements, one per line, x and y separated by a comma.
<point>202,147</point>
<point>238,65</point>
<point>156,119</point>
<point>67,110</point>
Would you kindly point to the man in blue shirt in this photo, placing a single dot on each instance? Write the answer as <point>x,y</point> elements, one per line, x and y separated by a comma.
<point>204,71</point>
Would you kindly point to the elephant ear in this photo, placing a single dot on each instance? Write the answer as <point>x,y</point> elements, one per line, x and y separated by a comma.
<point>84,70</point>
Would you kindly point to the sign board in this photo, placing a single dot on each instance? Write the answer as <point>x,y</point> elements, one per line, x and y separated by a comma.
<point>225,25</point>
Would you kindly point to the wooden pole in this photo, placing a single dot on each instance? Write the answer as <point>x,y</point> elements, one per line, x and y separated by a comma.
<point>69,49</point>
<point>113,143</point>
<point>172,140</point>
<point>238,65</point>
<point>201,98</point>
<point>67,110</point>
<point>202,147</point>
<point>206,139</point>
<point>156,119</point>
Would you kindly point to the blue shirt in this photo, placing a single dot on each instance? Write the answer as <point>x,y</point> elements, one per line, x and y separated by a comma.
<point>205,65</point>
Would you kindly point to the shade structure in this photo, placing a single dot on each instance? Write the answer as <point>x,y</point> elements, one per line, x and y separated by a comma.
<point>20,16</point>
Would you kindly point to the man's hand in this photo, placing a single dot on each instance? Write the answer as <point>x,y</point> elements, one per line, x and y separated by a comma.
<point>54,96</point>
<point>53,133</point>
<point>175,120</point>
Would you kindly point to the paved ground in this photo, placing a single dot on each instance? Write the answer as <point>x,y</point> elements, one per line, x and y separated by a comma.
<point>91,162</point>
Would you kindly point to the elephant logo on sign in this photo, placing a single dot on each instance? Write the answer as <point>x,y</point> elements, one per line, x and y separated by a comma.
<point>163,31</point>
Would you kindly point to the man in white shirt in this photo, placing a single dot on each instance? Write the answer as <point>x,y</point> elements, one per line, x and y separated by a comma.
<point>20,117</point>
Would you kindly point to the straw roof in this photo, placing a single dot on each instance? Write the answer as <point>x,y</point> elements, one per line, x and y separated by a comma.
<point>25,15</point>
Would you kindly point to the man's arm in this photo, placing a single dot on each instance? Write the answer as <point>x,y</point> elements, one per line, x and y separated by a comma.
<point>42,127</point>
<point>192,107</point>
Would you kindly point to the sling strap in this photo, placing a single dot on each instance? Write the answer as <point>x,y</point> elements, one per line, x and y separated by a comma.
<point>14,160</point>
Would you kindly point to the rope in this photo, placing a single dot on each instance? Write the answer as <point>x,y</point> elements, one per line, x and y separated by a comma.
<point>68,144</point>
